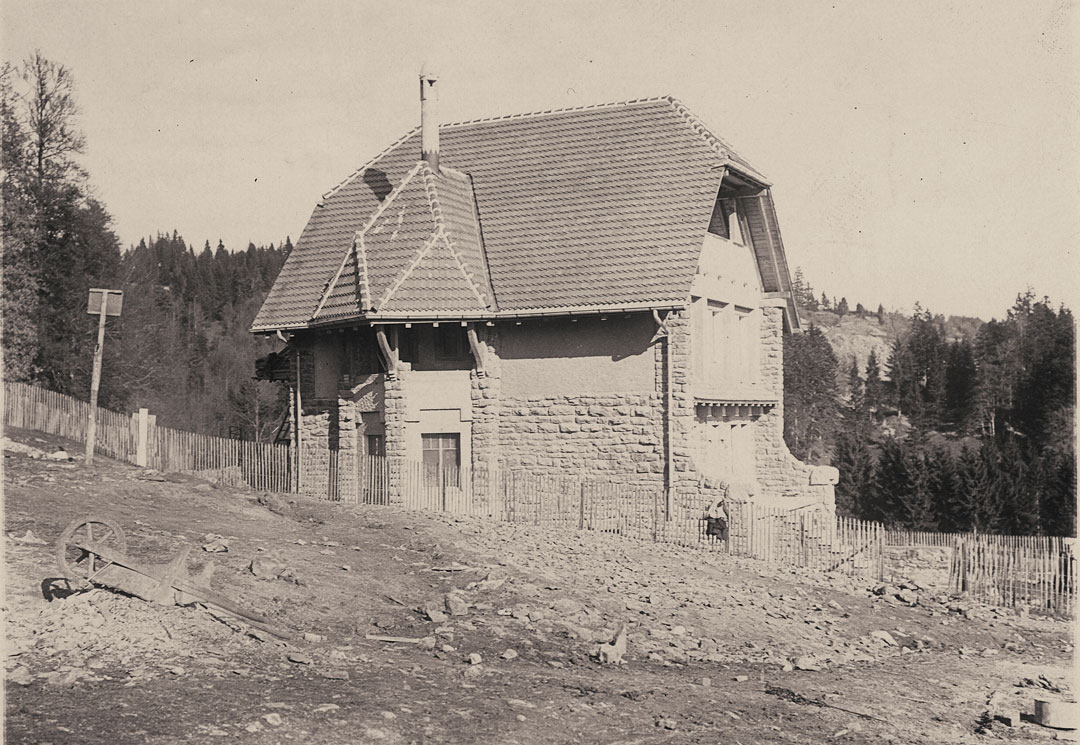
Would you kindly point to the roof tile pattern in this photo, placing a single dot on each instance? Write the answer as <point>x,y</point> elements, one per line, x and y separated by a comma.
<point>601,206</point>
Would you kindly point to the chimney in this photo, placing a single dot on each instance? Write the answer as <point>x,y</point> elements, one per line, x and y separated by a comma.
<point>429,118</point>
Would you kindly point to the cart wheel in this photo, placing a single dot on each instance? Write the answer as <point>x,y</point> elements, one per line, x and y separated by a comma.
<point>79,565</point>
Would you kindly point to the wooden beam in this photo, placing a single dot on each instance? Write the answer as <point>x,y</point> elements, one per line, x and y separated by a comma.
<point>388,355</point>
<point>477,350</point>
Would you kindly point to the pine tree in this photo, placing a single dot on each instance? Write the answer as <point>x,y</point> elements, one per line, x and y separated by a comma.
<point>873,388</point>
<point>880,314</point>
<point>977,504</point>
<point>961,379</point>
<point>811,408</point>
<point>853,458</point>
<point>842,307</point>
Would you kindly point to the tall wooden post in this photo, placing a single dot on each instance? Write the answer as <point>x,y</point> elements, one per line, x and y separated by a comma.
<point>103,309</point>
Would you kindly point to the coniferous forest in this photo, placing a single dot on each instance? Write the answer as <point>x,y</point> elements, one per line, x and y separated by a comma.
<point>963,425</point>
<point>181,347</point>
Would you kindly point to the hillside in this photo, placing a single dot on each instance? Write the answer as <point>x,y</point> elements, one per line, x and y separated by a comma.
<point>852,336</point>
<point>715,644</point>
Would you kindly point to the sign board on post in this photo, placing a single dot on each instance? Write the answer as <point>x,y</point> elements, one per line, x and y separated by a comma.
<point>103,303</point>
<point>114,301</point>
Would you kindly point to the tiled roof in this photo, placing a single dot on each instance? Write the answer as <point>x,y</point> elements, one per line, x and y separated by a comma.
<point>601,206</point>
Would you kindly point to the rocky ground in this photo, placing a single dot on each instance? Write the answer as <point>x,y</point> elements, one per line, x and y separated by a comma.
<point>422,628</point>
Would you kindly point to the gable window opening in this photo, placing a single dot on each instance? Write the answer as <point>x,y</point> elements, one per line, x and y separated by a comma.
<point>442,458</point>
<point>725,220</point>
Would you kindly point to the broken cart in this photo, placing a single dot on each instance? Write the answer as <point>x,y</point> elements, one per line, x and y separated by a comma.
<point>93,551</point>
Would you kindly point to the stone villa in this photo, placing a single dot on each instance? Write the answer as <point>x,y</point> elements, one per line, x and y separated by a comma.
<point>598,291</point>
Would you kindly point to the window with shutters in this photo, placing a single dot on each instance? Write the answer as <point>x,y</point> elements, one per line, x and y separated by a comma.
<point>727,343</point>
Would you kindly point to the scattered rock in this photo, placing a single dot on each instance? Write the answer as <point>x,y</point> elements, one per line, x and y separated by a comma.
<point>885,637</point>
<point>475,659</point>
<point>215,544</point>
<point>666,723</point>
<point>20,676</point>
<point>434,612</point>
<point>254,727</point>
<point>567,607</point>
<point>273,719</point>
<point>456,605</point>
<point>706,681</point>
<point>808,662</point>
<point>321,708</point>
<point>612,652</point>
<point>30,538</point>
<point>299,658</point>
<point>177,670</point>
<point>473,672</point>
<point>908,596</point>
<point>741,678</point>
<point>265,568</point>
<point>427,643</point>
<point>310,637</point>
<point>509,654</point>
<point>335,674</point>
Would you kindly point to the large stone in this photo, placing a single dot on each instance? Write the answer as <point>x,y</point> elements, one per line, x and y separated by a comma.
<point>612,652</point>
<point>456,605</point>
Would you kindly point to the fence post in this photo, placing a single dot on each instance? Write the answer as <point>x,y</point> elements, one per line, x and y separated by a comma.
<point>140,442</point>
<point>581,509</point>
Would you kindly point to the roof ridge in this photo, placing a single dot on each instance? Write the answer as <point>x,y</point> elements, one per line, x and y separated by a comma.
<point>722,148</point>
<point>546,112</point>
<point>368,164</point>
<point>358,236</point>
<point>329,288</point>
<point>409,269</point>
<point>362,268</point>
<point>436,209</point>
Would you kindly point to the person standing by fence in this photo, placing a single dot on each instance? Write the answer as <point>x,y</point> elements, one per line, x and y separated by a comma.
<point>716,521</point>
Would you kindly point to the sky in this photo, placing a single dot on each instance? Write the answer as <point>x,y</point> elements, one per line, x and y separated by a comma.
<point>921,151</point>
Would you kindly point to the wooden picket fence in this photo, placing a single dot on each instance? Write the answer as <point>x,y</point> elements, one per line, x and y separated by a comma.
<point>30,407</point>
<point>813,539</point>
<point>919,538</point>
<point>241,463</point>
<point>1015,576</point>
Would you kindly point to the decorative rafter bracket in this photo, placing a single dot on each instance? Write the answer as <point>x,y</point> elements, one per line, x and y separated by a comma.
<point>388,355</point>
<point>477,350</point>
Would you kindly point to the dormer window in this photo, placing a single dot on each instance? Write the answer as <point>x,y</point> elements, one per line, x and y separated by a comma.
<point>728,219</point>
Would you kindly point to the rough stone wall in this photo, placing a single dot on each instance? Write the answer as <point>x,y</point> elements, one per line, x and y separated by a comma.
<point>677,323</point>
<point>394,419</point>
<point>486,402</point>
<point>616,436</point>
<point>779,473</point>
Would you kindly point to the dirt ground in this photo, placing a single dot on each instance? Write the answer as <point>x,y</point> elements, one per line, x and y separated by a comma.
<point>718,649</point>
